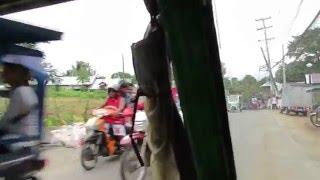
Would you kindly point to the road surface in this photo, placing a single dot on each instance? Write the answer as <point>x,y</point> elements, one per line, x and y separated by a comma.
<point>267,146</point>
<point>64,164</point>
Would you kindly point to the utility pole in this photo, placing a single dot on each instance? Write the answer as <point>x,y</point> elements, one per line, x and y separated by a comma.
<point>271,78</point>
<point>267,57</point>
<point>122,66</point>
<point>122,63</point>
<point>283,67</point>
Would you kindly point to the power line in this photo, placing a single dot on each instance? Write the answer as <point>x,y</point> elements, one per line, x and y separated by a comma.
<point>313,21</point>
<point>302,35</point>
<point>296,15</point>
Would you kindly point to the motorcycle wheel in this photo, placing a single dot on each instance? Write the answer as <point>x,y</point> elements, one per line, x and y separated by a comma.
<point>315,120</point>
<point>130,168</point>
<point>89,156</point>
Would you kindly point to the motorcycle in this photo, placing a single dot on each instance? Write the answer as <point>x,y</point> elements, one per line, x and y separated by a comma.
<point>26,161</point>
<point>315,117</point>
<point>103,139</point>
<point>130,167</point>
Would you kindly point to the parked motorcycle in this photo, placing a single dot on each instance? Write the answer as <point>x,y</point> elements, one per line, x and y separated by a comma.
<point>315,117</point>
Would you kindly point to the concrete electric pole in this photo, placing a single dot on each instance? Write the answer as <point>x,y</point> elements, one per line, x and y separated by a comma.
<point>283,67</point>
<point>274,87</point>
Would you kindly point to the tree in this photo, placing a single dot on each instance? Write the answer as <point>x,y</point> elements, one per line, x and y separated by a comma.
<point>80,66</point>
<point>263,80</point>
<point>82,70</point>
<point>52,72</point>
<point>296,70</point>
<point>124,76</point>
<point>83,75</point>
<point>306,49</point>
<point>121,75</point>
<point>247,87</point>
<point>307,44</point>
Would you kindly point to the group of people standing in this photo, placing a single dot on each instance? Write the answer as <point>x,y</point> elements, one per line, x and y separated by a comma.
<point>273,102</point>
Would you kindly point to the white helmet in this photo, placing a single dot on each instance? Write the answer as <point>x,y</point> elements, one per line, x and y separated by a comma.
<point>114,87</point>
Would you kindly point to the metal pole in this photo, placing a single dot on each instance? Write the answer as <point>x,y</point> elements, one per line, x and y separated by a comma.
<point>122,63</point>
<point>283,67</point>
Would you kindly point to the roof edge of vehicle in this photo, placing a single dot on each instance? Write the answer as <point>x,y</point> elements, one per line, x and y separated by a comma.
<point>13,6</point>
<point>13,32</point>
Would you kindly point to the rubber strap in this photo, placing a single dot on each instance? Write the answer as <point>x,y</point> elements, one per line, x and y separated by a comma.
<point>134,145</point>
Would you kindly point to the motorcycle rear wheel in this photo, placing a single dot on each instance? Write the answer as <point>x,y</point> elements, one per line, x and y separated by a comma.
<point>315,120</point>
<point>130,168</point>
<point>85,152</point>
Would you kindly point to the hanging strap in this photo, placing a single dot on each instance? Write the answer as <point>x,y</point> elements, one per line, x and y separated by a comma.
<point>134,144</point>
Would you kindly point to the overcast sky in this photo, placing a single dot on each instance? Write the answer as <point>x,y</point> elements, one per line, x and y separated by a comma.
<point>99,31</point>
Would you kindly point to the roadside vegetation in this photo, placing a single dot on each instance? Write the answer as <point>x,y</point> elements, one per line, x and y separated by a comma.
<point>68,106</point>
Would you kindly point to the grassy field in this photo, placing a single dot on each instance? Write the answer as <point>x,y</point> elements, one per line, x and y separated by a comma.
<point>67,106</point>
<point>67,110</point>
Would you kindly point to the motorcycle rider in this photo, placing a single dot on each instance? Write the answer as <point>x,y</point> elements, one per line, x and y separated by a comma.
<point>117,103</point>
<point>19,120</point>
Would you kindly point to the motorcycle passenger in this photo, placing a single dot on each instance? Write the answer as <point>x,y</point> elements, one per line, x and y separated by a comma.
<point>116,102</point>
<point>125,91</point>
<point>20,117</point>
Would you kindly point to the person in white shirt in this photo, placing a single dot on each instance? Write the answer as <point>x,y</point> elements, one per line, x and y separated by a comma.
<point>21,115</point>
<point>274,101</point>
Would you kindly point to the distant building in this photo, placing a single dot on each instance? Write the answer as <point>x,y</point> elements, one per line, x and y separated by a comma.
<point>267,89</point>
<point>313,78</point>
<point>71,82</point>
<point>94,83</point>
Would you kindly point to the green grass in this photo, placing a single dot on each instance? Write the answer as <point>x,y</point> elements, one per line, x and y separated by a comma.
<point>66,106</point>
<point>67,110</point>
<point>83,94</point>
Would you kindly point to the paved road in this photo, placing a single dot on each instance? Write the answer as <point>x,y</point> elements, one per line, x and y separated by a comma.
<point>64,164</point>
<point>267,146</point>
